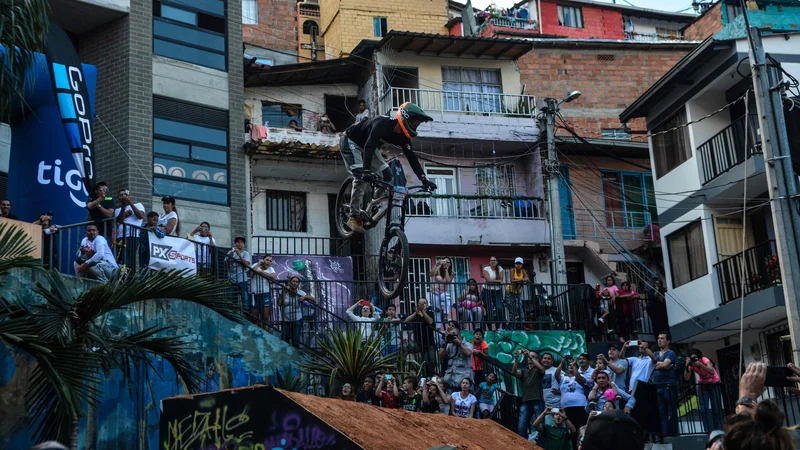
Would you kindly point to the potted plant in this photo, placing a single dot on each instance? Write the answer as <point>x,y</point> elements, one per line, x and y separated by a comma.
<point>23,29</point>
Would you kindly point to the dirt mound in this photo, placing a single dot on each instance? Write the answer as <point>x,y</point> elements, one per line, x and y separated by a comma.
<point>392,429</point>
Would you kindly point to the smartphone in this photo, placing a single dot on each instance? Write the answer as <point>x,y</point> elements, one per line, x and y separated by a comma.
<point>776,376</point>
<point>555,410</point>
<point>634,343</point>
<point>387,377</point>
<point>422,381</point>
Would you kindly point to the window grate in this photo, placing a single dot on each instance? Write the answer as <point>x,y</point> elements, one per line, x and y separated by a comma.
<point>188,112</point>
<point>286,211</point>
<point>605,57</point>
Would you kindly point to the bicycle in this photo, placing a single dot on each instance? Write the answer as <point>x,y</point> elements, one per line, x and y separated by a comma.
<point>394,255</point>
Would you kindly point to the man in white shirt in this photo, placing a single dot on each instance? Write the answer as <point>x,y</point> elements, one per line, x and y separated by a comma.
<point>261,276</point>
<point>619,367</point>
<point>95,259</point>
<point>586,370</point>
<point>641,367</point>
<point>363,112</point>
<point>238,264</point>
<point>202,235</point>
<point>129,216</point>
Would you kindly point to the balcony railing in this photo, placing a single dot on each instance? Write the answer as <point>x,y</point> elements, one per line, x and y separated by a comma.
<point>761,270</point>
<point>512,105</point>
<point>514,23</point>
<point>476,207</point>
<point>622,225</point>
<point>651,37</point>
<point>727,148</point>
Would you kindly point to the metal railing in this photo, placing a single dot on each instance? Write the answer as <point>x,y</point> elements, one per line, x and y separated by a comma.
<point>621,225</point>
<point>476,207</point>
<point>514,23</point>
<point>727,148</point>
<point>761,271</point>
<point>462,102</point>
<point>651,37</point>
<point>317,246</point>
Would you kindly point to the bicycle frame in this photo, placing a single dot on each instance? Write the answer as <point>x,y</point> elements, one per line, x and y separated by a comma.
<point>398,196</point>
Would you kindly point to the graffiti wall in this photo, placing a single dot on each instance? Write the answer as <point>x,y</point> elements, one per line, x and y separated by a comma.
<point>260,418</point>
<point>230,354</point>
<point>503,343</point>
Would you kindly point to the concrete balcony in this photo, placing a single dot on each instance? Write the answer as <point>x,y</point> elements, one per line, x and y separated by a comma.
<point>516,24</point>
<point>80,16</point>
<point>651,37</point>
<point>476,115</point>
<point>476,220</point>
<point>289,142</point>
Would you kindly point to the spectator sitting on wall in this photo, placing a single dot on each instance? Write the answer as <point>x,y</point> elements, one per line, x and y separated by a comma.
<point>389,397</point>
<point>263,274</point>
<point>325,125</point>
<point>5,209</point>
<point>367,396</point>
<point>95,259</point>
<point>410,399</point>
<point>363,112</point>
<point>557,436</point>
<point>102,208</point>
<point>458,354</point>
<point>49,251</point>
<point>293,125</point>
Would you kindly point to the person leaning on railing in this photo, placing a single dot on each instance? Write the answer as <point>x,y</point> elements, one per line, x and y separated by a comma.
<point>49,250</point>
<point>708,388</point>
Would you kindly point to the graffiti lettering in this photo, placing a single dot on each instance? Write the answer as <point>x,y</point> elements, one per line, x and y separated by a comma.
<point>213,429</point>
<point>290,433</point>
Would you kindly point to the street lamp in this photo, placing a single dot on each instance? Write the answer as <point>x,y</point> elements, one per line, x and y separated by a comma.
<point>570,97</point>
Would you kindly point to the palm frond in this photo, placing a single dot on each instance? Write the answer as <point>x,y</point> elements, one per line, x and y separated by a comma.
<point>56,318</point>
<point>288,381</point>
<point>125,290</point>
<point>15,249</point>
<point>346,356</point>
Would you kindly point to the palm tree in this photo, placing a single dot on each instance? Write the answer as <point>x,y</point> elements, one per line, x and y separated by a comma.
<point>347,357</point>
<point>23,26</point>
<point>75,350</point>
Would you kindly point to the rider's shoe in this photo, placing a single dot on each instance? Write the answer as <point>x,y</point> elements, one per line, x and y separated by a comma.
<point>356,224</point>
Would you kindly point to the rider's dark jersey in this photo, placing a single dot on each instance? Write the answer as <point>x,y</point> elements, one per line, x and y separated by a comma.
<point>369,133</point>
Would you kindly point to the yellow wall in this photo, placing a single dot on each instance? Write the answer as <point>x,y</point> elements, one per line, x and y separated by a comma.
<point>302,38</point>
<point>353,23</point>
<point>430,69</point>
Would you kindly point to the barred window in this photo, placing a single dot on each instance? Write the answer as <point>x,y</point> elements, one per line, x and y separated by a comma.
<point>286,211</point>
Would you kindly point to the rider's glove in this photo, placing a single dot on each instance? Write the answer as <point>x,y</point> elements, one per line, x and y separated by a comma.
<point>428,185</point>
<point>366,175</point>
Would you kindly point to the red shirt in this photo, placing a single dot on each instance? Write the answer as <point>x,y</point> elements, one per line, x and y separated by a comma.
<point>477,362</point>
<point>388,402</point>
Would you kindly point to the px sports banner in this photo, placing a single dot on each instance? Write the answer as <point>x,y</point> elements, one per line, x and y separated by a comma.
<point>52,135</point>
<point>172,253</point>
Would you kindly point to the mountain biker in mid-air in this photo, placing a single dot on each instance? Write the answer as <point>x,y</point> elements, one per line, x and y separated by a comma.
<point>360,150</point>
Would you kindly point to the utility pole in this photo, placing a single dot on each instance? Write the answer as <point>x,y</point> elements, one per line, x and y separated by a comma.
<point>781,179</point>
<point>553,195</point>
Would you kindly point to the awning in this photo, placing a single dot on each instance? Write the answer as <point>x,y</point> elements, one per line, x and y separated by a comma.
<point>459,46</point>
<point>341,70</point>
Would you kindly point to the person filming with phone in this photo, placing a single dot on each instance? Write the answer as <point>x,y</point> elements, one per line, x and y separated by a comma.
<point>558,435</point>
<point>532,401</point>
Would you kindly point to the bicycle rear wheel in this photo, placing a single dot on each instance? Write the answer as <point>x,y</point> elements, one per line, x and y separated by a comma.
<point>342,211</point>
<point>394,260</point>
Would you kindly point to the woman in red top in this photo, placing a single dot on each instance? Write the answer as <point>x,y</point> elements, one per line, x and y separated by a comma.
<point>625,301</point>
<point>708,388</point>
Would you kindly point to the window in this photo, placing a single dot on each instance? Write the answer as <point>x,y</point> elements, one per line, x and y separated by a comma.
<point>570,16</point>
<point>629,199</point>
<point>279,115</point>
<point>672,148</point>
<point>250,12</point>
<point>190,151</point>
<point>615,134</point>
<point>664,32</point>
<point>192,31</point>
<point>496,181</point>
<point>286,211</point>
<point>380,26</point>
<point>471,90</point>
<point>687,254</point>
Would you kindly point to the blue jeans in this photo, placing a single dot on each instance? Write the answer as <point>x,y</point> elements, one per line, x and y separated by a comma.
<point>291,331</point>
<point>527,411</point>
<point>668,409</point>
<point>712,416</point>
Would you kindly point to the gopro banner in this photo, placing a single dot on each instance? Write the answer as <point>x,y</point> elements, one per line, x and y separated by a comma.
<point>52,135</point>
<point>172,253</point>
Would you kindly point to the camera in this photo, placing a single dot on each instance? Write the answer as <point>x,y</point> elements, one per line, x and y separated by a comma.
<point>694,358</point>
<point>450,338</point>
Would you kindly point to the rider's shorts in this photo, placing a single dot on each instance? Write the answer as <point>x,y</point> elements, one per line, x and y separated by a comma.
<point>354,156</point>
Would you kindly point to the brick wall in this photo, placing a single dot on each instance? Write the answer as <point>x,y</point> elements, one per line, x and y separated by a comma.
<point>239,184</point>
<point>709,24</point>
<point>606,89</point>
<point>276,28</point>
<point>599,23</point>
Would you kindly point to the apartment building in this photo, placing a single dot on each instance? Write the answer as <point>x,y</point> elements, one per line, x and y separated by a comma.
<point>712,201</point>
<point>168,94</point>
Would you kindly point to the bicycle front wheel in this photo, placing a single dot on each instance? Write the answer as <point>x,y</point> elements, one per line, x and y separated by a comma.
<point>394,260</point>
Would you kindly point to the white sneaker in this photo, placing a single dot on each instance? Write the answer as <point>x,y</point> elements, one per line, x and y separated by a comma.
<point>601,320</point>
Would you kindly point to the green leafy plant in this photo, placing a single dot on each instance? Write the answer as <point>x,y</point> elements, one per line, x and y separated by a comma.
<point>289,381</point>
<point>23,29</point>
<point>345,356</point>
<point>75,349</point>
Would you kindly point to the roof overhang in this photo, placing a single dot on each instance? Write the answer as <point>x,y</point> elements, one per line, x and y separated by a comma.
<point>603,148</point>
<point>556,42</point>
<point>678,74</point>
<point>459,46</point>
<point>341,70</point>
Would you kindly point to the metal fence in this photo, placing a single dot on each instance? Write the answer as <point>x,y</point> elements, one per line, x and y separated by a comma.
<point>476,207</point>
<point>728,148</point>
<point>761,271</point>
<point>462,102</point>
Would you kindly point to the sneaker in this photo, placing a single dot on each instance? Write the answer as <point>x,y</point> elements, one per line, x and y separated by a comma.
<point>356,224</point>
<point>601,320</point>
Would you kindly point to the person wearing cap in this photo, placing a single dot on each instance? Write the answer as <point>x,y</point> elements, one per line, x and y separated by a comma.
<point>168,222</point>
<point>558,435</point>
<point>518,279</point>
<point>238,262</point>
<point>612,430</point>
<point>459,357</point>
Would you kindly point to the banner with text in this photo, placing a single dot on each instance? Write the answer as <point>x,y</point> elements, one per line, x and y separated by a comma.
<point>172,253</point>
